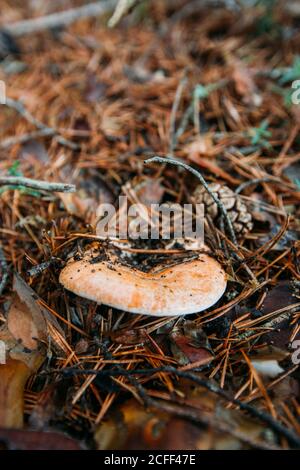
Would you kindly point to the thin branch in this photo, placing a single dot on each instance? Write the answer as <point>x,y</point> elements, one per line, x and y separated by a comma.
<point>4,270</point>
<point>121,9</point>
<point>278,316</point>
<point>37,184</point>
<point>20,108</point>
<point>21,139</point>
<point>265,179</point>
<point>60,19</point>
<point>239,257</point>
<point>172,131</point>
<point>275,425</point>
<point>67,17</point>
<point>184,120</point>
<point>188,412</point>
<point>40,268</point>
<point>198,175</point>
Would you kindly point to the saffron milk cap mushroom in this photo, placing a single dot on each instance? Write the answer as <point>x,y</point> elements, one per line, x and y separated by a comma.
<point>189,286</point>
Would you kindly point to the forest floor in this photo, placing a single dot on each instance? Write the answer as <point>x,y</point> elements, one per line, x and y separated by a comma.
<point>214,87</point>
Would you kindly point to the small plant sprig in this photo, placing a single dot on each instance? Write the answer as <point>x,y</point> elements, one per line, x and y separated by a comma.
<point>267,22</point>
<point>14,171</point>
<point>289,74</point>
<point>16,181</point>
<point>200,92</point>
<point>286,94</point>
<point>259,135</point>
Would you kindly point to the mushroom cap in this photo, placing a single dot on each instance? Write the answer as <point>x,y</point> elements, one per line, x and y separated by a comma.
<point>188,287</point>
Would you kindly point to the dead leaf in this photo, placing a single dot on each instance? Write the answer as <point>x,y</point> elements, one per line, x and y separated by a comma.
<point>92,191</point>
<point>25,337</point>
<point>244,83</point>
<point>190,345</point>
<point>278,297</point>
<point>36,440</point>
<point>33,152</point>
<point>139,429</point>
<point>202,145</point>
<point>132,336</point>
<point>150,191</point>
<point>133,427</point>
<point>95,89</point>
<point>28,296</point>
<point>13,377</point>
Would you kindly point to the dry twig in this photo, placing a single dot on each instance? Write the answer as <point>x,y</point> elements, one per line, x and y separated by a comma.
<point>36,184</point>
<point>198,175</point>
<point>49,131</point>
<point>60,19</point>
<point>277,427</point>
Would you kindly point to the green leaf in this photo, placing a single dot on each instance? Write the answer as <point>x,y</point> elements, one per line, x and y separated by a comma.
<point>291,73</point>
<point>286,93</point>
<point>259,135</point>
<point>203,91</point>
<point>14,169</point>
<point>22,189</point>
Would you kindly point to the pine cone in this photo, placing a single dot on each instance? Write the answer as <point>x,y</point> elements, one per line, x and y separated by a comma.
<point>236,208</point>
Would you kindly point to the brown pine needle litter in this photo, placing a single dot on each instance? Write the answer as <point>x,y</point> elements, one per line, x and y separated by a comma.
<point>149,100</point>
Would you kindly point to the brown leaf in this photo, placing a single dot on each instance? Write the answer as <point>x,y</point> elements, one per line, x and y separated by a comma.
<point>278,297</point>
<point>33,153</point>
<point>244,83</point>
<point>202,145</point>
<point>150,191</point>
<point>13,377</point>
<point>190,345</point>
<point>92,191</point>
<point>133,427</point>
<point>20,324</point>
<point>136,428</point>
<point>133,336</point>
<point>24,335</point>
<point>33,440</point>
<point>28,296</point>
<point>95,89</point>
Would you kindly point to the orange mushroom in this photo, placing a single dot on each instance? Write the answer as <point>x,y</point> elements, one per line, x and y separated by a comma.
<point>188,287</point>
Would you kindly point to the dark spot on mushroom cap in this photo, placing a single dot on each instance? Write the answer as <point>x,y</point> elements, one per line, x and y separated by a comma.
<point>98,259</point>
<point>112,268</point>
